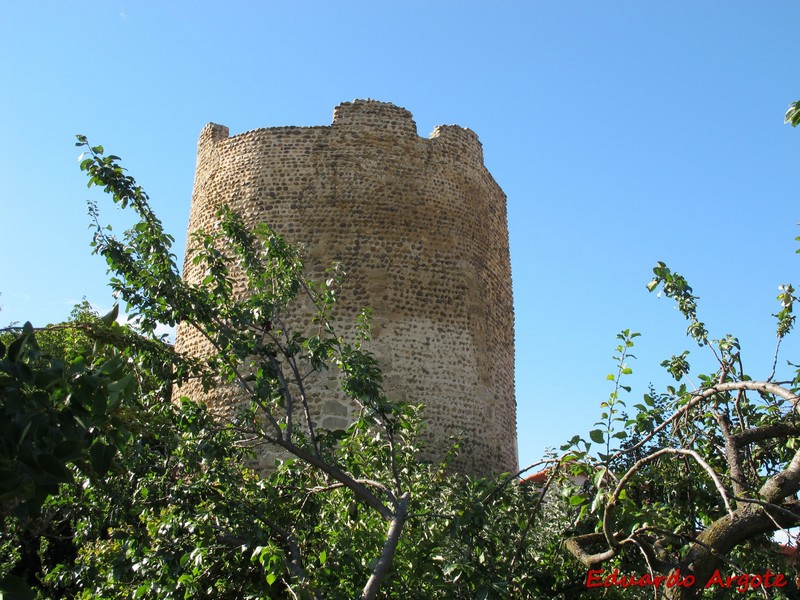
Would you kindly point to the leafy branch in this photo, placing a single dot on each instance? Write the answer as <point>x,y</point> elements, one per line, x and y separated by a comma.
<point>249,343</point>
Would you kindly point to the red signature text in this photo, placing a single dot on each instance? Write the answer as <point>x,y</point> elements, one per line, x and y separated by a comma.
<point>740,582</point>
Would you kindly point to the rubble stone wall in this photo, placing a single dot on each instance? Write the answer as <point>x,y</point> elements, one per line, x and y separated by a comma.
<point>420,227</point>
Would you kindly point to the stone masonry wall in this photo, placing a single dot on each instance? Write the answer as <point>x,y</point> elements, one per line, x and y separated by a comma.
<point>420,227</point>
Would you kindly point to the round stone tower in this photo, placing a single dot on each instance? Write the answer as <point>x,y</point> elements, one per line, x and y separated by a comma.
<point>420,228</point>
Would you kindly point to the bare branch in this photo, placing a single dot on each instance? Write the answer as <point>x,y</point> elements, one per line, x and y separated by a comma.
<point>287,396</point>
<point>781,509</point>
<point>534,510</point>
<point>648,555</point>
<point>576,546</point>
<point>393,455</point>
<point>610,537</point>
<point>369,482</point>
<point>705,394</point>
<point>301,387</point>
<point>775,358</point>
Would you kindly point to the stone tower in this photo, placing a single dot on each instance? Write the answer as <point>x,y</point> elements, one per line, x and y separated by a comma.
<point>420,227</point>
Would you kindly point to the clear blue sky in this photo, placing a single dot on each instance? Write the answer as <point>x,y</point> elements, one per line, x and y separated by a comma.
<point>623,133</point>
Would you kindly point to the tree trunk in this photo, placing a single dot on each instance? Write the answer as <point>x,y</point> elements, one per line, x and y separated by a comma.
<point>720,538</point>
<point>390,546</point>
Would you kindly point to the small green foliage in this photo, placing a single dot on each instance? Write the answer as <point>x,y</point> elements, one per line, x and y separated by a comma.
<point>792,115</point>
<point>677,366</point>
<point>785,316</point>
<point>674,286</point>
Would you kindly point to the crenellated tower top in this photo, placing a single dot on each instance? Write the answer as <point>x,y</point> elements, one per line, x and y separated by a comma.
<point>420,227</point>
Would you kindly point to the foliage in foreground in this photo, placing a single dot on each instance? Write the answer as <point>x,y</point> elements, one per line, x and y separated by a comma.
<point>175,513</point>
<point>706,471</point>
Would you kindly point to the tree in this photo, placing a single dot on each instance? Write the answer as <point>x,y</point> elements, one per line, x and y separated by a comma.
<point>705,472</point>
<point>250,346</point>
<point>724,454</point>
<point>65,405</point>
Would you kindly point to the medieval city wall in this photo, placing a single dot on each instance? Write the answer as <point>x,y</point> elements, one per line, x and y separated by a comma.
<point>420,228</point>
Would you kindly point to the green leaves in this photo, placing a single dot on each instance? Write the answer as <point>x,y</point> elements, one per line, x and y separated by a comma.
<point>141,496</point>
<point>147,275</point>
<point>18,345</point>
<point>15,588</point>
<point>677,366</point>
<point>597,436</point>
<point>111,316</point>
<point>785,317</point>
<point>101,457</point>
<point>792,115</point>
<point>613,415</point>
<point>60,403</point>
<point>51,470</point>
<point>674,286</point>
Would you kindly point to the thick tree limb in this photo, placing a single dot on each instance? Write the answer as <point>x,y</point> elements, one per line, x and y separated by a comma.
<point>720,538</point>
<point>786,483</point>
<point>389,548</point>
<point>765,432</point>
<point>733,455</point>
<point>370,482</point>
<point>773,507</point>
<point>576,546</point>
